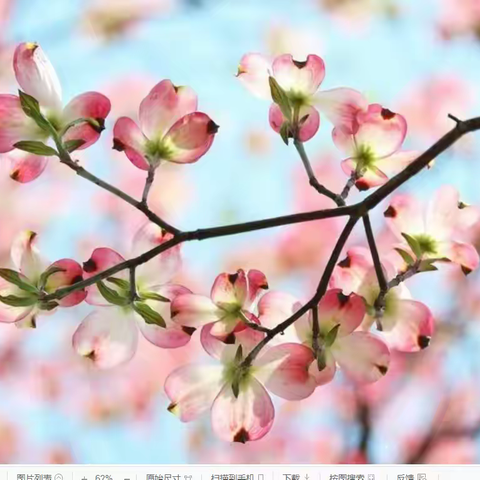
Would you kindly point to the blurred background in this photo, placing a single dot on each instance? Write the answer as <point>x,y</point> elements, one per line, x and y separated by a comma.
<point>421,59</point>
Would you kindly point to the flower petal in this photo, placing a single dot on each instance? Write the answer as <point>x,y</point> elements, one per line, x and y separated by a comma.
<point>380,130</point>
<point>192,310</point>
<point>108,337</point>
<point>190,138</point>
<point>36,75</point>
<point>344,140</point>
<point>309,126</point>
<point>26,257</point>
<point>72,273</point>
<point>192,390</point>
<point>246,418</point>
<point>163,267</point>
<point>336,308</point>
<point>128,138</point>
<point>463,254</point>
<point>371,177</point>
<point>341,106</point>
<point>299,77</point>
<point>163,106</point>
<point>25,167</point>
<point>396,162</point>
<point>14,124</point>
<point>174,335</point>
<point>253,72</point>
<point>9,314</point>
<point>405,214</point>
<point>230,290</point>
<point>87,105</point>
<point>363,357</point>
<point>443,212</point>
<point>101,259</point>
<point>284,370</point>
<point>413,329</point>
<point>257,284</point>
<point>328,373</point>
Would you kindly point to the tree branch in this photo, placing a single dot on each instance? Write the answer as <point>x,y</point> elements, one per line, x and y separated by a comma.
<point>313,179</point>
<point>148,185</point>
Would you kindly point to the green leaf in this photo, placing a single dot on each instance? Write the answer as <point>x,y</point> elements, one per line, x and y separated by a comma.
<point>427,266</point>
<point>413,244</point>
<point>154,296</point>
<point>38,148</point>
<point>17,279</point>
<point>47,274</point>
<point>48,306</point>
<point>150,316</point>
<point>31,108</point>
<point>111,296</point>
<point>71,145</point>
<point>239,354</point>
<point>236,386</point>
<point>407,258</point>
<point>331,336</point>
<point>14,301</point>
<point>123,284</point>
<point>321,360</point>
<point>280,97</point>
<point>285,132</point>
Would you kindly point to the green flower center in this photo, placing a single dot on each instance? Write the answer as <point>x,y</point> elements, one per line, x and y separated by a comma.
<point>428,245</point>
<point>157,150</point>
<point>364,157</point>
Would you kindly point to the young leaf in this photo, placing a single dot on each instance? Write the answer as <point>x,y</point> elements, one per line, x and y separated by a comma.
<point>111,296</point>
<point>413,244</point>
<point>154,296</point>
<point>321,360</point>
<point>123,284</point>
<point>17,279</point>
<point>72,145</point>
<point>14,301</point>
<point>236,387</point>
<point>280,97</point>
<point>37,148</point>
<point>285,132</point>
<point>332,336</point>
<point>48,306</point>
<point>31,108</point>
<point>407,258</point>
<point>150,316</point>
<point>427,266</point>
<point>47,274</point>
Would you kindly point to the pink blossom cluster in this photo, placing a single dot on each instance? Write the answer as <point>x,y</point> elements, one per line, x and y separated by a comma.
<point>239,321</point>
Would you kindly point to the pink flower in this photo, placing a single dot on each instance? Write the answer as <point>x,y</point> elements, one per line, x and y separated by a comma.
<point>21,289</point>
<point>362,356</point>
<point>171,129</point>
<point>407,325</point>
<point>236,395</point>
<point>37,77</point>
<point>231,301</point>
<point>441,229</point>
<point>300,80</point>
<point>373,146</point>
<point>109,336</point>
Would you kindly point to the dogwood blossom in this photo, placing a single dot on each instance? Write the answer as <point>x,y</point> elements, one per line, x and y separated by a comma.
<point>22,289</point>
<point>373,146</point>
<point>237,396</point>
<point>36,77</point>
<point>109,335</point>
<point>171,129</point>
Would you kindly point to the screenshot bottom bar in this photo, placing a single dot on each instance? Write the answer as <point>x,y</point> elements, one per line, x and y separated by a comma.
<point>239,472</point>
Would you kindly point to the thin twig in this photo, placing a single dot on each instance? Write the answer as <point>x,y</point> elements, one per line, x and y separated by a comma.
<point>133,284</point>
<point>382,281</point>
<point>313,179</point>
<point>253,325</point>
<point>148,184</point>
<point>315,331</point>
<point>348,186</point>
